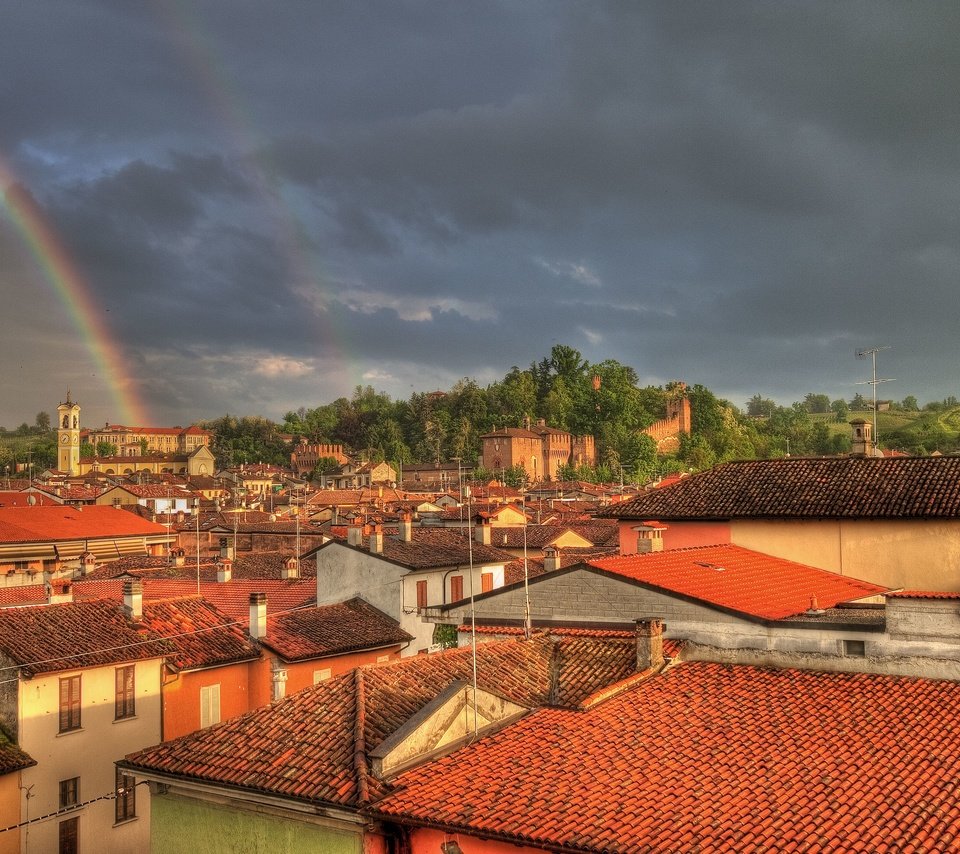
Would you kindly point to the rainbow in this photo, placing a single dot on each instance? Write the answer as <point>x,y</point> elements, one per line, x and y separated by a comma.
<point>72,290</point>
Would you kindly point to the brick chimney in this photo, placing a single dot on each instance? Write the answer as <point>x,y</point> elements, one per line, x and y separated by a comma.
<point>376,539</point>
<point>179,556</point>
<point>290,568</point>
<point>649,644</point>
<point>258,615</point>
<point>551,559</point>
<point>481,531</point>
<point>133,598</point>
<point>406,526</point>
<point>224,569</point>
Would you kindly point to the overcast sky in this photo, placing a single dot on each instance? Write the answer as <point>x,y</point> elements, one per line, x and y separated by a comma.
<point>272,202</point>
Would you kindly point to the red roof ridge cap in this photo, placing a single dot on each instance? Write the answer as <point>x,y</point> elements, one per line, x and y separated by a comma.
<point>618,688</point>
<point>359,742</point>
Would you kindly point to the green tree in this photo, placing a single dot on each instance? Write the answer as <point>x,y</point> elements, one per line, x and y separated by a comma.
<point>909,404</point>
<point>760,407</point>
<point>103,449</point>
<point>841,410</point>
<point>816,403</point>
<point>43,422</point>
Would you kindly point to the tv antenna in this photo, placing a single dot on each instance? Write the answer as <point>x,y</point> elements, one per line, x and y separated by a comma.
<point>872,353</point>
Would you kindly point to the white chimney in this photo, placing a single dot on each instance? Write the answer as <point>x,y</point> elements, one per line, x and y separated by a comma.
<point>258,615</point>
<point>355,532</point>
<point>481,531</point>
<point>88,563</point>
<point>224,569</point>
<point>133,598</point>
<point>290,568</point>
<point>376,539</point>
<point>649,537</point>
<point>406,526</point>
<point>226,548</point>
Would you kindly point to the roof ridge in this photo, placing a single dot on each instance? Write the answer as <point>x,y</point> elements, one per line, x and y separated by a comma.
<point>360,765</point>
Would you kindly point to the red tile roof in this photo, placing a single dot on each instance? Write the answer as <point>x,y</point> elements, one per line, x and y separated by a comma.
<point>61,522</point>
<point>12,758</point>
<point>51,638</point>
<point>431,548</point>
<point>199,635</point>
<point>332,630</point>
<point>707,757</point>
<point>740,580</point>
<point>312,746</point>
<point>805,488</point>
<point>922,594</point>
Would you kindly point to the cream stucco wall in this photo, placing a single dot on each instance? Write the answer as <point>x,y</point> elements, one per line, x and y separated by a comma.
<point>914,554</point>
<point>88,753</point>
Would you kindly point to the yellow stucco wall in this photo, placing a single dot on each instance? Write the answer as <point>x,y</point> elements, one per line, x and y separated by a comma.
<point>913,554</point>
<point>88,753</point>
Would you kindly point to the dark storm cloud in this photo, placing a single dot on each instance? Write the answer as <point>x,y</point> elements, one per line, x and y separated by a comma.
<point>735,194</point>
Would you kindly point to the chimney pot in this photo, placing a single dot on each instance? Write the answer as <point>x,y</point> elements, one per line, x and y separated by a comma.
<point>133,598</point>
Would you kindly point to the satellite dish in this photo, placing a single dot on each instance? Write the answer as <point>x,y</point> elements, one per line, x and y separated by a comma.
<point>31,500</point>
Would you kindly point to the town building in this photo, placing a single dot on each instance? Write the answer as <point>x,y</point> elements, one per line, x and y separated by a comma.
<point>81,690</point>
<point>892,521</point>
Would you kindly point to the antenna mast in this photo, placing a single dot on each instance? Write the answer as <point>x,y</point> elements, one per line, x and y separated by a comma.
<point>862,354</point>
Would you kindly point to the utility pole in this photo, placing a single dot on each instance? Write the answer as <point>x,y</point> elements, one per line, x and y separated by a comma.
<point>862,354</point>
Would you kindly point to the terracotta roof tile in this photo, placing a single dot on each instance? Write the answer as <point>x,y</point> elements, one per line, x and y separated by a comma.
<point>51,638</point>
<point>12,758</point>
<point>199,634</point>
<point>308,744</point>
<point>822,487</point>
<point>430,548</point>
<point>710,757</point>
<point>740,580</point>
<point>332,630</point>
<point>61,522</point>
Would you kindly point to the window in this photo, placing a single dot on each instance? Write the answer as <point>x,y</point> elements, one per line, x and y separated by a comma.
<point>69,836</point>
<point>421,595</point>
<point>125,705</point>
<point>321,675</point>
<point>456,588</point>
<point>69,703</point>
<point>209,705</point>
<point>855,648</point>
<point>486,582</point>
<point>126,797</point>
<point>69,793</point>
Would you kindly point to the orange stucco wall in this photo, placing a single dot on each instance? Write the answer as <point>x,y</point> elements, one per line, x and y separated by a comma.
<point>428,841</point>
<point>300,674</point>
<point>678,535</point>
<point>10,812</point>
<point>181,696</point>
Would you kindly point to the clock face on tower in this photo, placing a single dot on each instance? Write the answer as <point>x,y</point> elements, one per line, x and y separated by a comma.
<point>64,438</point>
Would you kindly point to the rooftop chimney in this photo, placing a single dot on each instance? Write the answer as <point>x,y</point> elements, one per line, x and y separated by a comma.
<point>376,539</point>
<point>290,568</point>
<point>406,526</point>
<point>649,537</point>
<point>649,644</point>
<point>59,592</point>
<point>226,548</point>
<point>224,569</point>
<point>481,531</point>
<point>258,615</point>
<point>133,598</point>
<point>355,532</point>
<point>861,440</point>
<point>179,556</point>
<point>88,563</point>
<point>551,559</point>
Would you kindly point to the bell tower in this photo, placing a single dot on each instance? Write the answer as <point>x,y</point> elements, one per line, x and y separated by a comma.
<point>68,437</point>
